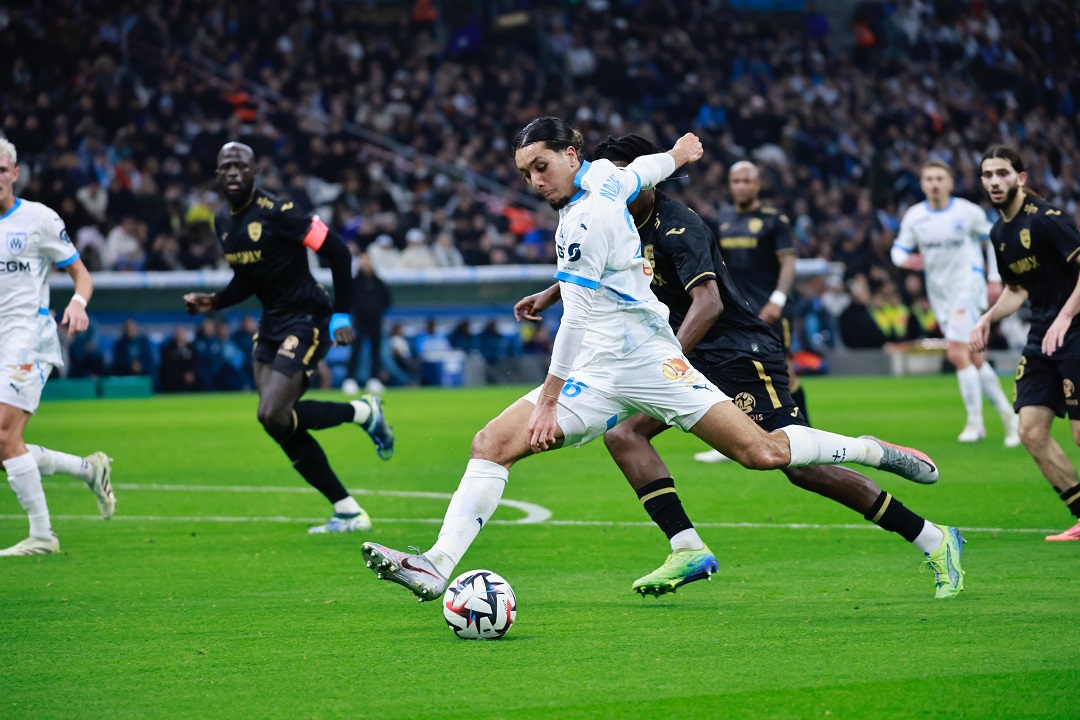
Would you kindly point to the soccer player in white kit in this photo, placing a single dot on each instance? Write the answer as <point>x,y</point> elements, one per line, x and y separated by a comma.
<point>32,239</point>
<point>614,355</point>
<point>951,236</point>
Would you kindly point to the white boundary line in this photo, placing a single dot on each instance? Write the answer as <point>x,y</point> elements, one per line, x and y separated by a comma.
<point>534,514</point>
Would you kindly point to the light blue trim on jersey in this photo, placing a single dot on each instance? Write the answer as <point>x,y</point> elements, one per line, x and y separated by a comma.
<point>944,209</point>
<point>976,268</point>
<point>908,250</point>
<point>65,263</point>
<point>580,174</point>
<point>983,237</point>
<point>43,311</point>
<point>637,190</point>
<point>585,164</point>
<point>622,296</point>
<point>18,202</point>
<point>629,220</point>
<point>576,280</point>
<point>612,421</point>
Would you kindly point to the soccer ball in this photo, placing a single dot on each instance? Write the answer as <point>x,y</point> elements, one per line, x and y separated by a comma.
<point>479,605</point>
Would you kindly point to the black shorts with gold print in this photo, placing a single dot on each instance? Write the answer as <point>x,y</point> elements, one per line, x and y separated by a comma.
<point>1050,383</point>
<point>293,344</point>
<point>757,386</point>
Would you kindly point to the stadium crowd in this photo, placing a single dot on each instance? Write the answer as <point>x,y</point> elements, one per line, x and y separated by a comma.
<point>392,120</point>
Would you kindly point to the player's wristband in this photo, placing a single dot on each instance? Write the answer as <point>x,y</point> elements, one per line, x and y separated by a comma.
<point>79,299</point>
<point>337,321</point>
<point>778,298</point>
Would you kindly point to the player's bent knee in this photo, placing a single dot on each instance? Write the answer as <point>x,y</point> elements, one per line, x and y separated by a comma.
<point>1034,438</point>
<point>277,425</point>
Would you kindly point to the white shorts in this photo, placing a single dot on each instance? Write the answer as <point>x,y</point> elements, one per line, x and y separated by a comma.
<point>655,379</point>
<point>21,385</point>
<point>958,324</point>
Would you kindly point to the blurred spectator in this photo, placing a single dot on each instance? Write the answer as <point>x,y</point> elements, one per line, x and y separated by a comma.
<point>403,367</point>
<point>417,255</point>
<point>178,364</point>
<point>431,340</point>
<point>229,371</point>
<point>132,353</point>
<point>492,344</point>
<point>370,301</point>
<point>124,246</point>
<point>86,356</point>
<point>445,252</point>
<point>384,256</point>
<point>207,353</point>
<point>461,337</point>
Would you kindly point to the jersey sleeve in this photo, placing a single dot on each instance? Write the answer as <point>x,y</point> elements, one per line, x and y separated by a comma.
<point>782,236</point>
<point>689,244</point>
<point>622,185</point>
<point>56,243</point>
<point>582,252</point>
<point>293,225</point>
<point>1007,276</point>
<point>980,223</point>
<point>905,239</point>
<point>1060,229</point>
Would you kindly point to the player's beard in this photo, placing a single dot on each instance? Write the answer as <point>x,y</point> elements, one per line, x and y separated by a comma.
<point>1010,195</point>
<point>560,203</point>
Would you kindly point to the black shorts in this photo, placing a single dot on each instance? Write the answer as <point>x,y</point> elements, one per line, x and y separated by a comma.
<point>782,329</point>
<point>757,386</point>
<point>1051,383</point>
<point>293,344</point>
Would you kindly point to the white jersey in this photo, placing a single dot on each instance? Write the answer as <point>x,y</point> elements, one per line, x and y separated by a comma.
<point>951,242</point>
<point>32,239</point>
<point>599,248</point>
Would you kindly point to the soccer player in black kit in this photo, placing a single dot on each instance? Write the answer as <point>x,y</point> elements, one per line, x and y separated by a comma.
<point>757,246</point>
<point>726,341</point>
<point>265,240</point>
<point>1038,248</point>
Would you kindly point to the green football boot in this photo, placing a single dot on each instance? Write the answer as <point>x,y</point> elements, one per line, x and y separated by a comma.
<point>680,568</point>
<point>945,562</point>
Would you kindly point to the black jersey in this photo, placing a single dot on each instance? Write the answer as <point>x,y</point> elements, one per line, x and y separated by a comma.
<point>752,244</point>
<point>266,245</point>
<point>684,254</point>
<point>1038,250</point>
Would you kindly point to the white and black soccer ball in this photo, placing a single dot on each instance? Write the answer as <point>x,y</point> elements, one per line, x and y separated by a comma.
<point>479,605</point>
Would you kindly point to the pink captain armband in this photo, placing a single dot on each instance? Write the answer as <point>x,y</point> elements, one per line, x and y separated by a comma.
<point>316,234</point>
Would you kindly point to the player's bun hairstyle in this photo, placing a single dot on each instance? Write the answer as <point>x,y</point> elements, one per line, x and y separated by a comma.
<point>556,135</point>
<point>1011,155</point>
<point>625,148</point>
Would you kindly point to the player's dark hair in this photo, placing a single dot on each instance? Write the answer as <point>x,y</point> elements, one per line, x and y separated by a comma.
<point>625,148</point>
<point>1011,155</point>
<point>1004,152</point>
<point>556,135</point>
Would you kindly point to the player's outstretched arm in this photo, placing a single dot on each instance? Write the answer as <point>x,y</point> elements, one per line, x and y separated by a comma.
<point>530,307</point>
<point>334,250</point>
<point>1012,297</point>
<point>238,290</point>
<point>75,316</point>
<point>687,149</point>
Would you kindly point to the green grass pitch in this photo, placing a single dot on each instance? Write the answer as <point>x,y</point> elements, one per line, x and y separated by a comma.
<point>205,598</point>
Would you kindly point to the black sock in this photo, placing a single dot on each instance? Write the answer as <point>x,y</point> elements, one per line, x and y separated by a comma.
<point>799,396</point>
<point>319,414</point>
<point>310,461</point>
<point>888,513</point>
<point>664,507</point>
<point>1071,498</point>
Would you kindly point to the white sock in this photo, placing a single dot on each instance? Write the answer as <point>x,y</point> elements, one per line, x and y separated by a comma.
<point>686,540</point>
<point>810,446</point>
<point>470,508</point>
<point>930,538</point>
<point>971,393</point>
<point>362,412</point>
<point>347,506</point>
<point>51,462</point>
<point>25,479</point>
<point>991,388</point>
